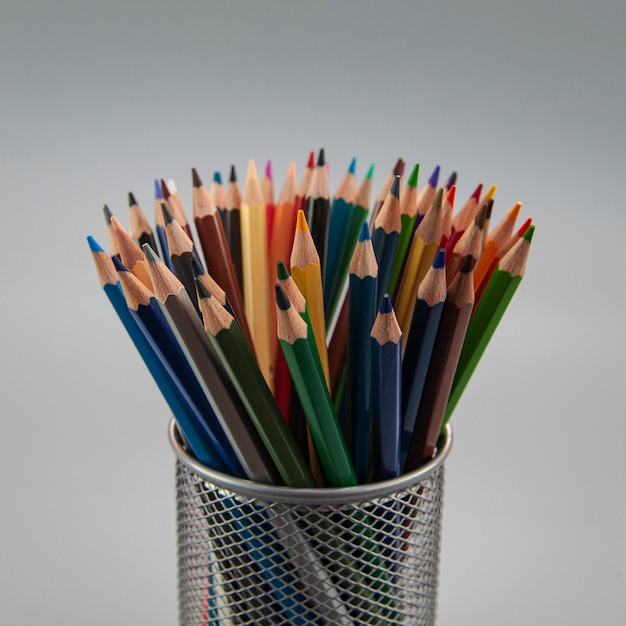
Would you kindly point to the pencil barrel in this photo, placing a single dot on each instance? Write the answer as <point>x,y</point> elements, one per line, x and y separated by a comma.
<point>253,553</point>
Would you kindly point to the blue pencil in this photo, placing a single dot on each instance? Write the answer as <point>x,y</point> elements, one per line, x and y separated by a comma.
<point>386,342</point>
<point>431,296</point>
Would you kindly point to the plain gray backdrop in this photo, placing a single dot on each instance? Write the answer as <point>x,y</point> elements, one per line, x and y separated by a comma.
<point>98,99</point>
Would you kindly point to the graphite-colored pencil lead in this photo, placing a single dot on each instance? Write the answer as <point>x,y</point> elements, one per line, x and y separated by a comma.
<point>321,159</point>
<point>131,199</point>
<point>195,178</point>
<point>398,168</point>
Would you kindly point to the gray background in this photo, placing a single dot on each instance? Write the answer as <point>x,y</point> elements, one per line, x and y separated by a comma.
<point>101,98</point>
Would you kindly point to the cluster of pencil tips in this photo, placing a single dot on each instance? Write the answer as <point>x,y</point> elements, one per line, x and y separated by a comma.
<point>312,340</point>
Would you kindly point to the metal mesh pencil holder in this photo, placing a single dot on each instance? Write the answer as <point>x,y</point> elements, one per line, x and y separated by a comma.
<point>258,554</point>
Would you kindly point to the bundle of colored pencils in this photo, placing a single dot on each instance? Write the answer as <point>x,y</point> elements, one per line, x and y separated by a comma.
<point>309,340</point>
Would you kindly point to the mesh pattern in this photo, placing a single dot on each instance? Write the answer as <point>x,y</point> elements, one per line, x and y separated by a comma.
<point>246,561</point>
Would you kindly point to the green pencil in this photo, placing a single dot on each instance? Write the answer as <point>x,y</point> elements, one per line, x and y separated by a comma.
<point>232,347</point>
<point>489,311</point>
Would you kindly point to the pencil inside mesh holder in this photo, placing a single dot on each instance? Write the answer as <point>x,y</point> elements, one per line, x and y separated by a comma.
<point>258,554</point>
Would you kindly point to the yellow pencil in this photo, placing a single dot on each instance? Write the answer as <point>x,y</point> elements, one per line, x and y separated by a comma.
<point>306,273</point>
<point>255,271</point>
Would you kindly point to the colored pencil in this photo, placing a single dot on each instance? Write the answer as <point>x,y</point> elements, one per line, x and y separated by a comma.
<point>267,189</point>
<point>130,253</point>
<point>159,224</point>
<point>231,416</point>
<point>214,245</point>
<point>455,316</point>
<point>362,310</point>
<point>341,211</point>
<point>186,413</point>
<point>317,203</point>
<point>138,225</point>
<point>446,215</point>
<point>386,344</point>
<point>231,217</point>
<point>420,342</point>
<point>229,342</point>
<point>182,250</point>
<point>306,273</point>
<point>175,206</point>
<point>305,181</point>
<point>451,181</point>
<point>464,216</point>
<point>256,273</point>
<point>385,238</point>
<point>313,393</point>
<point>217,192</point>
<point>381,196</point>
<point>426,196</point>
<point>408,215</point>
<point>114,247</point>
<point>422,252</point>
<point>488,314</point>
<point>497,238</point>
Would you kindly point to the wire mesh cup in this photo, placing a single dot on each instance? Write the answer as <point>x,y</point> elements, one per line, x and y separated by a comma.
<point>250,553</point>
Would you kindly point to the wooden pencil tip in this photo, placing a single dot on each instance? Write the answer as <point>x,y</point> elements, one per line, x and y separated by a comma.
<point>131,199</point>
<point>164,190</point>
<point>268,169</point>
<point>385,305</point>
<point>203,292</point>
<point>311,162</point>
<point>398,169</point>
<point>252,173</point>
<point>282,272</point>
<point>451,180</point>
<point>364,235</point>
<point>370,172</point>
<point>217,178</point>
<point>195,178</point>
<point>321,159</point>
<point>412,182</point>
<point>529,232</point>
<point>94,246</point>
<point>515,210</point>
<point>282,301</point>
<point>158,194</point>
<point>395,187</point>
<point>450,195</point>
<point>196,267</point>
<point>438,199</point>
<point>440,259</point>
<point>491,192</point>
<point>467,265</point>
<point>119,266</point>
<point>233,175</point>
<point>301,223</point>
<point>107,214</point>
<point>352,168</point>
<point>150,254</point>
<point>433,181</point>
<point>167,216</point>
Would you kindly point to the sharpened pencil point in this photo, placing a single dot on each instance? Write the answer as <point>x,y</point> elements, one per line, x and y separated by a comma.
<point>398,169</point>
<point>282,301</point>
<point>364,235</point>
<point>440,259</point>
<point>477,192</point>
<point>395,187</point>
<point>131,199</point>
<point>107,214</point>
<point>352,168</point>
<point>385,305</point>
<point>164,190</point>
<point>150,254</point>
<point>412,182</point>
<point>450,195</point>
<point>301,223</point>
<point>438,200</point>
<point>433,181</point>
<point>195,177</point>
<point>217,178</point>
<point>167,216</point>
<point>311,162</point>
<point>203,292</point>
<point>268,169</point>
<point>491,192</point>
<point>281,271</point>
<point>529,232</point>
<point>321,159</point>
<point>94,246</point>
<point>158,194</point>
<point>468,264</point>
<point>119,266</point>
<point>370,172</point>
<point>451,180</point>
<point>196,267</point>
<point>233,175</point>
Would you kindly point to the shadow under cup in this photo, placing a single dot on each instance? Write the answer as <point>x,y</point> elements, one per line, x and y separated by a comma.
<point>250,553</point>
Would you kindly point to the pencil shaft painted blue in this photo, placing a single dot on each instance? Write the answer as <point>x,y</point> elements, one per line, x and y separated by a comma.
<point>361,315</point>
<point>151,321</point>
<point>419,349</point>
<point>176,398</point>
<point>386,400</point>
<point>385,247</point>
<point>337,230</point>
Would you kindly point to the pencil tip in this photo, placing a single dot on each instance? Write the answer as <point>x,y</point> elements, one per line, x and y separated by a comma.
<point>196,267</point>
<point>217,178</point>
<point>385,305</point>
<point>157,190</point>
<point>203,292</point>
<point>529,232</point>
<point>491,192</point>
<point>107,214</point>
<point>301,223</point>
<point>282,301</point>
<point>252,173</point>
<point>311,162</point>
<point>433,181</point>
<point>364,235</point>
<point>438,200</point>
<point>395,187</point>
<point>451,180</point>
<point>468,264</point>
<point>150,254</point>
<point>477,192</point>
<point>167,216</point>
<point>268,169</point>
<point>398,169</point>
<point>164,190</point>
<point>119,266</point>
<point>440,259</point>
<point>412,182</point>
<point>321,158</point>
<point>450,195</point>
<point>195,178</point>
<point>233,176</point>
<point>131,199</point>
<point>94,246</point>
<point>281,271</point>
<point>352,168</point>
<point>370,172</point>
